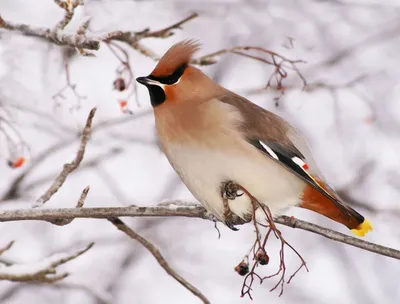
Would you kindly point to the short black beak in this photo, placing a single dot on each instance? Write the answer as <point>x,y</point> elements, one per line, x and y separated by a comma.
<point>143,80</point>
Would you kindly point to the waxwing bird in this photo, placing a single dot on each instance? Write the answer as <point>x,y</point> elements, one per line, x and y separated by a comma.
<point>211,136</point>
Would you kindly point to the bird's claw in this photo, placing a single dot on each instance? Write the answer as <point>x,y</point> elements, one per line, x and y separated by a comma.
<point>230,190</point>
<point>233,220</point>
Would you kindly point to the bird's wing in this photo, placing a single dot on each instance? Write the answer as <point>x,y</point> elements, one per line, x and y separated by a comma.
<point>278,140</point>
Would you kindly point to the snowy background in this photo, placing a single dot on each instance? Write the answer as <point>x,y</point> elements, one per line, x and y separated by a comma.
<point>350,115</point>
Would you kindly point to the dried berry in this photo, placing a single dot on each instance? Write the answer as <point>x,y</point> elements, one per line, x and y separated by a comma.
<point>18,162</point>
<point>123,104</point>
<point>262,257</point>
<point>119,84</point>
<point>242,268</point>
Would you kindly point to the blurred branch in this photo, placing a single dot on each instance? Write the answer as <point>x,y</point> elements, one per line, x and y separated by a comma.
<point>54,36</point>
<point>80,41</point>
<point>68,54</point>
<point>132,38</point>
<point>158,256</point>
<point>174,209</point>
<point>8,246</point>
<point>350,51</point>
<point>69,7</point>
<point>42,271</point>
<point>279,62</point>
<point>69,167</point>
<point>345,195</point>
<point>88,164</point>
<point>125,77</point>
<point>15,185</point>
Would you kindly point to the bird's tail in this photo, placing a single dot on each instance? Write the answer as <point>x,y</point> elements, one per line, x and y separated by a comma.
<point>334,209</point>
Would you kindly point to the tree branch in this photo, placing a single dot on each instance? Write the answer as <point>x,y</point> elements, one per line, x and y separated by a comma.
<point>69,167</point>
<point>69,8</point>
<point>337,236</point>
<point>8,247</point>
<point>80,41</point>
<point>158,256</point>
<point>174,209</point>
<point>42,271</point>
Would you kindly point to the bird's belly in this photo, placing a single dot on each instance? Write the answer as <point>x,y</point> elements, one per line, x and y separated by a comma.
<point>204,170</point>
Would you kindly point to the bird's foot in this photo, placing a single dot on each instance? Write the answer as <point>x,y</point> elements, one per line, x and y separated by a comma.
<point>229,216</point>
<point>232,220</point>
<point>229,191</point>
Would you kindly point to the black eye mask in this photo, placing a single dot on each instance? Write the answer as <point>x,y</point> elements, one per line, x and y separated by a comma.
<point>171,79</point>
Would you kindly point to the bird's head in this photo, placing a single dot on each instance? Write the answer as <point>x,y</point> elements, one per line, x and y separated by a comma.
<point>174,80</point>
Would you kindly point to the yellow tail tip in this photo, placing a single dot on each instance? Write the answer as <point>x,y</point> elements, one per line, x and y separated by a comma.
<point>363,228</point>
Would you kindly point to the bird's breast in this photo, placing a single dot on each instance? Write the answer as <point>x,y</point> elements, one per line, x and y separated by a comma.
<point>204,170</point>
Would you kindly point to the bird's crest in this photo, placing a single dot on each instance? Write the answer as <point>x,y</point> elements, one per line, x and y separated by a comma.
<point>179,54</point>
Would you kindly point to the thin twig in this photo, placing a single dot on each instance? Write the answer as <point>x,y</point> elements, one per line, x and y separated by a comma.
<point>79,204</point>
<point>191,211</point>
<point>125,77</point>
<point>280,63</point>
<point>15,185</point>
<point>337,236</point>
<point>43,272</point>
<point>8,246</point>
<point>69,167</point>
<point>69,7</point>
<point>260,256</point>
<point>158,256</point>
<point>68,54</point>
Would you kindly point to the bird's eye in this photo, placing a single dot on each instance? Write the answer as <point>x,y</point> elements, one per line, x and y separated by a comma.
<point>171,80</point>
<point>174,77</point>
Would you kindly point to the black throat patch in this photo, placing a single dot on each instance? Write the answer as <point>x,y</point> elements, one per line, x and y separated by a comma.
<point>157,95</point>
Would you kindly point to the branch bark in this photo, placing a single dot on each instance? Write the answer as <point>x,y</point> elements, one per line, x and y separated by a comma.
<point>80,41</point>
<point>69,167</point>
<point>176,208</point>
<point>158,256</point>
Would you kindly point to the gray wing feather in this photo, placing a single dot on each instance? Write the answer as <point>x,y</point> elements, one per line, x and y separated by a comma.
<point>260,124</point>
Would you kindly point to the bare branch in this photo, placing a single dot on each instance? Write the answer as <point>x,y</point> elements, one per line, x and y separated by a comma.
<point>179,210</point>
<point>68,53</point>
<point>337,236</point>
<point>43,271</point>
<point>168,31</point>
<point>69,7</point>
<point>132,38</point>
<point>8,246</point>
<point>81,42</point>
<point>73,40</point>
<point>158,256</point>
<point>280,63</point>
<point>69,167</point>
<point>15,185</point>
<point>125,77</point>
<point>80,203</point>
